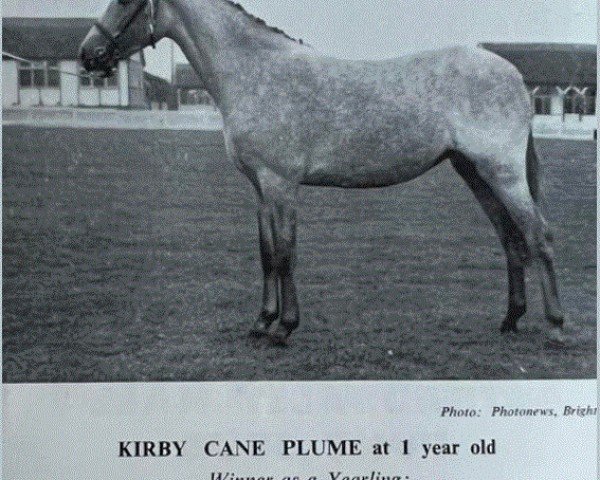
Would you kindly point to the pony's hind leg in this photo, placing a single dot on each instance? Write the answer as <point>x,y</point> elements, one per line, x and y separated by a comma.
<point>539,242</point>
<point>510,236</point>
<point>507,179</point>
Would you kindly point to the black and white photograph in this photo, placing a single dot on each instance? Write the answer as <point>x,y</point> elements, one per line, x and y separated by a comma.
<point>205,190</point>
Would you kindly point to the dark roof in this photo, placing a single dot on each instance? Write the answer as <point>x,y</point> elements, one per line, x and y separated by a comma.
<point>561,64</point>
<point>44,38</point>
<point>186,77</point>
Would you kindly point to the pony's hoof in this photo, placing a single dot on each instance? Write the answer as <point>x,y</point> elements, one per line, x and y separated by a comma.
<point>509,326</point>
<point>279,335</point>
<point>259,329</point>
<point>556,337</point>
<point>515,311</point>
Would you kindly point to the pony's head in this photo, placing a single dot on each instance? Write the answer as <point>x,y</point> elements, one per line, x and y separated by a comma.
<point>126,27</point>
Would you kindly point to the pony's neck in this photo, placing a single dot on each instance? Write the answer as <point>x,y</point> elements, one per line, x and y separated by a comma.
<point>217,38</point>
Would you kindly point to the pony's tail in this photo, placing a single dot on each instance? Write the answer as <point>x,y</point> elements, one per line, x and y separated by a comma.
<point>533,169</point>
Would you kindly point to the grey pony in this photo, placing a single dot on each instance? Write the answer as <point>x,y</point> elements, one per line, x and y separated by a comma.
<point>295,117</point>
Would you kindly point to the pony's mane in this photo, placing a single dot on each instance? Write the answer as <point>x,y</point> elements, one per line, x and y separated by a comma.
<point>262,23</point>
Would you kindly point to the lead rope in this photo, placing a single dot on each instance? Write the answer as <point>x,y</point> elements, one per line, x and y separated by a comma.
<point>56,69</point>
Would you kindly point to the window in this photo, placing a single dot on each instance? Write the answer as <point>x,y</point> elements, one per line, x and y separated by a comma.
<point>542,104</point>
<point>85,80</point>
<point>53,74</point>
<point>39,74</point>
<point>25,75</point>
<point>113,82</point>
<point>573,103</point>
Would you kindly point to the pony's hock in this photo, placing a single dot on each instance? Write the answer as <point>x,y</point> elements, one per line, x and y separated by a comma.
<point>294,117</point>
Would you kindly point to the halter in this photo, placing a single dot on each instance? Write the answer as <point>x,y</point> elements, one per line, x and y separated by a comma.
<point>114,37</point>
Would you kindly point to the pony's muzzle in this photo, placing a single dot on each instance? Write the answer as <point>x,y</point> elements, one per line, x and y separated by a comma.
<point>95,54</point>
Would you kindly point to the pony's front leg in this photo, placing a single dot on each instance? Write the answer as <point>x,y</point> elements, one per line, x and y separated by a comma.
<point>270,299</point>
<point>279,314</point>
<point>284,217</point>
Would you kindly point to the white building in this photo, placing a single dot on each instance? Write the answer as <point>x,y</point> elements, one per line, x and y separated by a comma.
<point>51,75</point>
<point>561,79</point>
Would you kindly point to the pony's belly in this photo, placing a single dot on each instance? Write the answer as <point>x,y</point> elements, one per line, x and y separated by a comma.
<point>368,173</point>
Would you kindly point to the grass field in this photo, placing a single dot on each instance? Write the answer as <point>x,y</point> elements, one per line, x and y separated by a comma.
<point>133,256</point>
